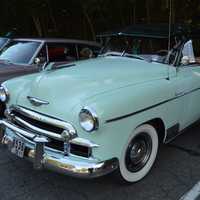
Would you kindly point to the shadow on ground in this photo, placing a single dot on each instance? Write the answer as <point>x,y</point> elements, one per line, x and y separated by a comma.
<point>175,172</point>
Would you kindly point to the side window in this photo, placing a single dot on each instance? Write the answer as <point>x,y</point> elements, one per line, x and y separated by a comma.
<point>87,51</point>
<point>59,52</point>
<point>188,55</point>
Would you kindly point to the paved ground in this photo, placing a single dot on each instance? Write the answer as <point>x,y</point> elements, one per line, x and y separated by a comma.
<point>176,171</point>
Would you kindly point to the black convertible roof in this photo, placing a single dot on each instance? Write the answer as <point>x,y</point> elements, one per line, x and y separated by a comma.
<point>154,31</point>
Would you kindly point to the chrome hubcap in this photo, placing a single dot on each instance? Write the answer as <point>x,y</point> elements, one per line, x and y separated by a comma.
<point>138,152</point>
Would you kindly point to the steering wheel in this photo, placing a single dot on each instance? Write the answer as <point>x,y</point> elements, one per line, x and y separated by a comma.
<point>162,52</point>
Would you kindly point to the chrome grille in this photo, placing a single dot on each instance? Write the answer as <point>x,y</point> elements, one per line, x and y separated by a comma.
<point>33,124</point>
<point>39,123</point>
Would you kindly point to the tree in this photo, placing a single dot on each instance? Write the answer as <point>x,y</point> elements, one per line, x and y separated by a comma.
<point>84,19</point>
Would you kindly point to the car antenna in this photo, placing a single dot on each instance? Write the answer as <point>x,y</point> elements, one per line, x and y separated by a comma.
<point>169,36</point>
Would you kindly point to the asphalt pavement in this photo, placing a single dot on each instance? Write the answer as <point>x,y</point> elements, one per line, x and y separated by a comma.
<point>175,172</point>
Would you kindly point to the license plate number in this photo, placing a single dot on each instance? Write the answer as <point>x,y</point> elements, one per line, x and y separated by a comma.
<point>18,147</point>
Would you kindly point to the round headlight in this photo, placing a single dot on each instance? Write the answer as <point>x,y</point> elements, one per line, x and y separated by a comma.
<point>3,94</point>
<point>88,119</point>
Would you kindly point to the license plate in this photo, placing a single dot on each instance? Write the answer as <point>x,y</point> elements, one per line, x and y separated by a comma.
<point>18,147</point>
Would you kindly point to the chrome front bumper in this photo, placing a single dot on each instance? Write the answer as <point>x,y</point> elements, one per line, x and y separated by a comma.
<point>43,157</point>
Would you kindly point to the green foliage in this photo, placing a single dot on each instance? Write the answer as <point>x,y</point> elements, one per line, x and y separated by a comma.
<point>85,18</point>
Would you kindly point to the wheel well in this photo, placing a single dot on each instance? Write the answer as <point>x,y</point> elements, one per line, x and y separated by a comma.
<point>159,125</point>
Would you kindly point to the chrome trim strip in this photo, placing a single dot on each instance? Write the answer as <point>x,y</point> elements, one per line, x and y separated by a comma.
<point>151,107</point>
<point>40,139</point>
<point>84,142</point>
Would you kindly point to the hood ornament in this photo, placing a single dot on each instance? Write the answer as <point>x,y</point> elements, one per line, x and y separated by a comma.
<point>37,102</point>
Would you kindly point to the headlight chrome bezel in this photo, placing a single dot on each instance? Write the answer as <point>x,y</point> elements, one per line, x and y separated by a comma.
<point>92,117</point>
<point>4,91</point>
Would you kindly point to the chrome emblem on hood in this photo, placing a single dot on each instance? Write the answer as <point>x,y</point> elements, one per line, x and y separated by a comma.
<point>37,102</point>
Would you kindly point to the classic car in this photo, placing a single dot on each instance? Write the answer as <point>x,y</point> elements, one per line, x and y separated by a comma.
<point>3,42</point>
<point>108,114</point>
<point>25,56</point>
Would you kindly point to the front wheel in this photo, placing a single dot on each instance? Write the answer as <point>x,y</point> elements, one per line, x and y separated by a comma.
<point>139,154</point>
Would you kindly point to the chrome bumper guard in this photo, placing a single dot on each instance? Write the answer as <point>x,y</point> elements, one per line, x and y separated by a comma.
<point>68,165</point>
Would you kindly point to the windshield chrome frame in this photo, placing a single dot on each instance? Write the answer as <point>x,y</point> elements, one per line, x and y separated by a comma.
<point>31,62</point>
<point>8,40</point>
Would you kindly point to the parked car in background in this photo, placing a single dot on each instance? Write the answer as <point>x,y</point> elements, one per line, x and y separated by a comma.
<point>111,113</point>
<point>25,56</point>
<point>3,42</point>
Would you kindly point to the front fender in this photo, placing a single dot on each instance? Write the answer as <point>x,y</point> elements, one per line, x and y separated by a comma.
<point>124,109</point>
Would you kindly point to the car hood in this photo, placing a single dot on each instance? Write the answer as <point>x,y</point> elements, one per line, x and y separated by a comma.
<point>72,85</point>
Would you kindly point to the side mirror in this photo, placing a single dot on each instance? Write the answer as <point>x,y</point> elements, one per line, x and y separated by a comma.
<point>185,60</point>
<point>40,62</point>
<point>37,61</point>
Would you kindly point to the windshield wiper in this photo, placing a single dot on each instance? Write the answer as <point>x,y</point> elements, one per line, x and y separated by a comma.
<point>52,66</point>
<point>133,56</point>
<point>112,53</point>
<point>124,54</point>
<point>138,57</point>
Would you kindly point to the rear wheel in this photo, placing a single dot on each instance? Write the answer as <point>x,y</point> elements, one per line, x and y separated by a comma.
<point>139,154</point>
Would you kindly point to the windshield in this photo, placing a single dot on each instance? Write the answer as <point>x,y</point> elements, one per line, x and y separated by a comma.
<point>3,41</point>
<point>20,52</point>
<point>142,48</point>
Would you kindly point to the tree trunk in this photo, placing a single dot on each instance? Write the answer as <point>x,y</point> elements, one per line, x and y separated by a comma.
<point>38,26</point>
<point>89,21</point>
<point>134,14</point>
<point>148,8</point>
<point>173,13</point>
<point>52,17</point>
<point>148,3</point>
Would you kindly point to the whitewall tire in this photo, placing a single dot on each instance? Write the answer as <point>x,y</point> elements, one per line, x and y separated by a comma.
<point>139,154</point>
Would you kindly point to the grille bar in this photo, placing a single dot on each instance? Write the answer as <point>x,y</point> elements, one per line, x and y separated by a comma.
<point>25,124</point>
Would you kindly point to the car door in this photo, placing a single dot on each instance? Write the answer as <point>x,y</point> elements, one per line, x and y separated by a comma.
<point>194,100</point>
<point>188,92</point>
<point>188,88</point>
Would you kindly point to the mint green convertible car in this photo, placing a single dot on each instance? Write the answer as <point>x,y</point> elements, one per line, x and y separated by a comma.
<point>107,114</point>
